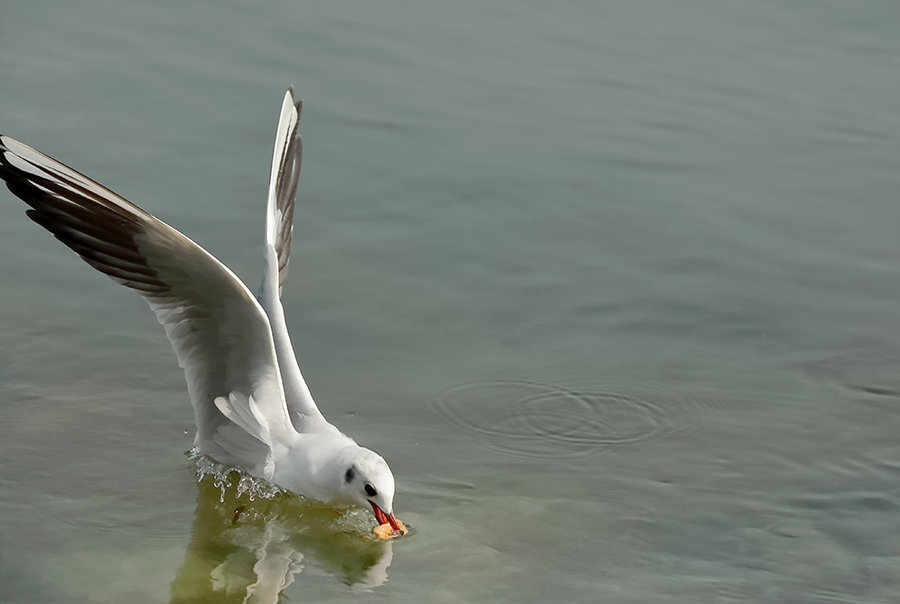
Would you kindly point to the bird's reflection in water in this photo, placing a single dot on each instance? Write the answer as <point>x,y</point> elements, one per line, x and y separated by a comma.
<point>244,550</point>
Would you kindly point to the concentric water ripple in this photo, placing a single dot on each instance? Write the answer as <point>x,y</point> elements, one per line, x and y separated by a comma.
<point>529,419</point>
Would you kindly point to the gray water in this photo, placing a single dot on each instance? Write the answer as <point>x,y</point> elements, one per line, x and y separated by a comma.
<point>614,287</point>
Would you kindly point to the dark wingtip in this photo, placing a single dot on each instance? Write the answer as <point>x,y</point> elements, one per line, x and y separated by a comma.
<point>7,172</point>
<point>3,149</point>
<point>298,104</point>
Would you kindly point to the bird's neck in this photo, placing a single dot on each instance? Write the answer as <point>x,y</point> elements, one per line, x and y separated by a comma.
<point>313,467</point>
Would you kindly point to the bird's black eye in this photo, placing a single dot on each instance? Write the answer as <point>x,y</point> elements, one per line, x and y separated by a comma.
<point>370,490</point>
<point>349,475</point>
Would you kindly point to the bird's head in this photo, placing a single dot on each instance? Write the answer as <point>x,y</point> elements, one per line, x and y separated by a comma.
<point>368,482</point>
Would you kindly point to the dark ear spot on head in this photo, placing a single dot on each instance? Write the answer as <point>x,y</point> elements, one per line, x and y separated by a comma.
<point>370,490</point>
<point>350,474</point>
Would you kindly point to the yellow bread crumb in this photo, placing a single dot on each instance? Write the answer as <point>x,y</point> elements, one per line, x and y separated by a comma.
<point>386,531</point>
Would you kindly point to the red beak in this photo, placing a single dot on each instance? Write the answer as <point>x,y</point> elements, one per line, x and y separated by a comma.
<point>383,518</point>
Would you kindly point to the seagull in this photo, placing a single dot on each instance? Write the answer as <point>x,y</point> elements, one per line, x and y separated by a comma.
<point>251,404</point>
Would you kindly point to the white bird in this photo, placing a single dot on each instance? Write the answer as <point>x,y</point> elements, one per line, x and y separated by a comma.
<point>251,404</point>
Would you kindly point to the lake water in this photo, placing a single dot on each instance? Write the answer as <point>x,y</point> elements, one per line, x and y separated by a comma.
<point>614,287</point>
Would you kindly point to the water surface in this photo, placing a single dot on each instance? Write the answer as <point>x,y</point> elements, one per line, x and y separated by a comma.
<point>613,286</point>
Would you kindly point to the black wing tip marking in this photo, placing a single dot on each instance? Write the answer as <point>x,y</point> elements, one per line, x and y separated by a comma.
<point>100,232</point>
<point>7,172</point>
<point>298,104</point>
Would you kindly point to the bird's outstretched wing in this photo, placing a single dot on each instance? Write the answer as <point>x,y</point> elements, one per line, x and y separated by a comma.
<point>283,180</point>
<point>286,159</point>
<point>219,332</point>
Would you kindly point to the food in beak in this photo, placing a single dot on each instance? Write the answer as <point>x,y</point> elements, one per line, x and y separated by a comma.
<point>388,526</point>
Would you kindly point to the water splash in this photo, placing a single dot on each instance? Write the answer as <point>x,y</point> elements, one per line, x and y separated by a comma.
<point>233,482</point>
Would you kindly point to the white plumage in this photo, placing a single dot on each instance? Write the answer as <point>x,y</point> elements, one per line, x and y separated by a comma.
<point>251,403</point>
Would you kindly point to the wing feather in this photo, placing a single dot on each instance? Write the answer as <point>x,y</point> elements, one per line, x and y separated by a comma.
<point>287,157</point>
<point>220,333</point>
<point>285,175</point>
